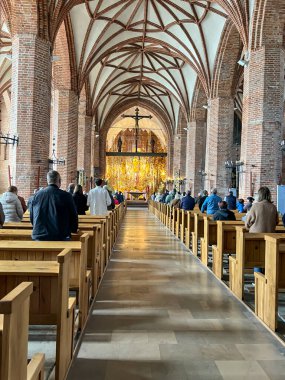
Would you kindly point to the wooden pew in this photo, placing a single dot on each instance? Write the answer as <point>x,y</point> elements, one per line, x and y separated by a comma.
<point>250,253</point>
<point>189,228</point>
<point>209,238</point>
<point>198,231</point>
<point>268,284</point>
<point>210,235</point>
<point>84,227</point>
<point>226,243</point>
<point>183,225</point>
<point>177,224</point>
<point>50,302</point>
<point>18,246</point>
<point>14,326</point>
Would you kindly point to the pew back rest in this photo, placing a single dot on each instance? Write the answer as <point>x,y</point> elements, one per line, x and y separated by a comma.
<point>14,308</point>
<point>226,235</point>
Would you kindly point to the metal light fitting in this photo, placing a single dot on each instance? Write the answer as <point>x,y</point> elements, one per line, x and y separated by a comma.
<point>54,160</point>
<point>9,140</point>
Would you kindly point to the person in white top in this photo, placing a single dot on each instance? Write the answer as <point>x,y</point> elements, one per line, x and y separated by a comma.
<point>98,199</point>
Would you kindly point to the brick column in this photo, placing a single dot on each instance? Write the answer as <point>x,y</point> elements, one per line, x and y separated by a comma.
<point>179,154</point>
<point>196,143</point>
<point>66,133</point>
<point>219,143</point>
<point>84,143</point>
<point>30,110</point>
<point>262,120</point>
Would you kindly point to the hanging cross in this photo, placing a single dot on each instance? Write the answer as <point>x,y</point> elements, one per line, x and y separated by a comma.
<point>137,117</point>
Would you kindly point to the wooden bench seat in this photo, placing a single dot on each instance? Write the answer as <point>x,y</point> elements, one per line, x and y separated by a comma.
<point>250,253</point>
<point>268,284</point>
<point>210,237</point>
<point>14,325</point>
<point>50,303</point>
<point>25,249</point>
<point>226,244</point>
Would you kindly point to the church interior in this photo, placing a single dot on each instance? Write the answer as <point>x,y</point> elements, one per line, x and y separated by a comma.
<point>154,97</point>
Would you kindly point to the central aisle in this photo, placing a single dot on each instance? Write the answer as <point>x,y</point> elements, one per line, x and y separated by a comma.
<point>160,314</point>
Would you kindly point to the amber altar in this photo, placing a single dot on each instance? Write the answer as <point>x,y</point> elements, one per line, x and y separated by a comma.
<point>136,173</point>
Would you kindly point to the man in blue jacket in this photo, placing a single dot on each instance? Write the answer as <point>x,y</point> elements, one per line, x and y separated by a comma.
<point>211,203</point>
<point>53,213</point>
<point>187,202</point>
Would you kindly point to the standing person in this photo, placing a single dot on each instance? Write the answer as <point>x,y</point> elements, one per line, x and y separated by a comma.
<point>263,215</point>
<point>231,201</point>
<point>2,216</point>
<point>80,200</point>
<point>29,204</point>
<point>202,199</point>
<point>98,199</point>
<point>11,204</point>
<point>53,213</point>
<point>112,205</point>
<point>224,213</point>
<point>211,203</point>
<point>70,188</point>
<point>187,202</point>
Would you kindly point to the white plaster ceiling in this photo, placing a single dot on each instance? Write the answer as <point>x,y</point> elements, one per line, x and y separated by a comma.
<point>145,49</point>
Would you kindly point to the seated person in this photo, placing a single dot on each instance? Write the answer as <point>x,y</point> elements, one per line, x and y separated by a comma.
<point>187,203</point>
<point>240,205</point>
<point>224,213</point>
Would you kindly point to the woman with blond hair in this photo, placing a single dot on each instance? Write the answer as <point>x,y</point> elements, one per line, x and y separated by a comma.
<point>263,215</point>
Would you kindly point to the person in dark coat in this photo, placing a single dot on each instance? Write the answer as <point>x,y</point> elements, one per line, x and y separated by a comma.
<point>224,213</point>
<point>231,201</point>
<point>202,199</point>
<point>187,203</point>
<point>80,200</point>
<point>53,213</point>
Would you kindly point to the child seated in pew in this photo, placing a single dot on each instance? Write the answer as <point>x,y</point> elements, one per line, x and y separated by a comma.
<point>223,213</point>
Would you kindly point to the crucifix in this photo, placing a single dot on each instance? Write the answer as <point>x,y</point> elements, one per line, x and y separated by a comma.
<point>137,118</point>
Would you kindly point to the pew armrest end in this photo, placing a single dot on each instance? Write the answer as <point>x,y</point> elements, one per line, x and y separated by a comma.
<point>35,369</point>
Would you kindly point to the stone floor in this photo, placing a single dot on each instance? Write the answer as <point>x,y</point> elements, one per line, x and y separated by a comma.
<point>160,314</point>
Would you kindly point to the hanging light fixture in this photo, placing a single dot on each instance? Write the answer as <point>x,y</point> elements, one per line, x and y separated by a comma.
<point>54,160</point>
<point>9,140</point>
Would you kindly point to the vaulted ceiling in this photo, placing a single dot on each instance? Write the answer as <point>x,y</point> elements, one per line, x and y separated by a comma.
<point>139,49</point>
<point>152,49</point>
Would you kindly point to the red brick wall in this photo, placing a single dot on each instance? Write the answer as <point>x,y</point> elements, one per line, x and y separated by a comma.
<point>4,150</point>
<point>196,145</point>
<point>30,114</point>
<point>262,119</point>
<point>219,143</point>
<point>66,127</point>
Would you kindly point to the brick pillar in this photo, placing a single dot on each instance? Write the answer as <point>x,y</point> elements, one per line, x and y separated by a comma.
<point>196,144</point>
<point>219,143</point>
<point>30,110</point>
<point>66,133</point>
<point>262,120</point>
<point>84,143</point>
<point>179,154</point>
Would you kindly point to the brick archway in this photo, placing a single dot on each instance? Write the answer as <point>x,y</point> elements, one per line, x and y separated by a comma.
<point>118,111</point>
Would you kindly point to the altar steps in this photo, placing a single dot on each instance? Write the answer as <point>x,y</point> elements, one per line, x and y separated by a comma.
<point>137,203</point>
